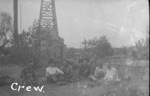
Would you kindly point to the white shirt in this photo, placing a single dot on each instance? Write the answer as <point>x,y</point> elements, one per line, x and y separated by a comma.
<point>110,74</point>
<point>53,70</point>
<point>97,71</point>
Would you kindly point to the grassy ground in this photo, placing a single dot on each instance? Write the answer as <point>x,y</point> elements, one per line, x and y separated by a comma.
<point>139,76</point>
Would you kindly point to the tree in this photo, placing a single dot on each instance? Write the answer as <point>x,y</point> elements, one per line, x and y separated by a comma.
<point>100,46</point>
<point>142,47</point>
<point>5,30</point>
<point>28,42</point>
<point>103,48</point>
<point>121,51</point>
<point>38,43</point>
<point>71,53</point>
<point>84,43</point>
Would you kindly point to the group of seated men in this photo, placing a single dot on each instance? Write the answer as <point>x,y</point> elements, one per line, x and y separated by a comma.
<point>66,71</point>
<point>105,72</point>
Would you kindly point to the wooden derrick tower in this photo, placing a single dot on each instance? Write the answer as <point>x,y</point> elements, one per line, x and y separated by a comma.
<point>48,25</point>
<point>47,18</point>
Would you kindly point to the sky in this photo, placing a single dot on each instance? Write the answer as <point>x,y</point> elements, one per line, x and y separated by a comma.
<point>122,21</point>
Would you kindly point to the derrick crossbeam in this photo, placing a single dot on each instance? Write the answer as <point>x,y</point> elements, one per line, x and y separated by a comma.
<point>47,18</point>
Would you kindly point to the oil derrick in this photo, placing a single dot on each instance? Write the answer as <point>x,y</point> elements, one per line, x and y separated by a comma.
<point>47,20</point>
<point>48,28</point>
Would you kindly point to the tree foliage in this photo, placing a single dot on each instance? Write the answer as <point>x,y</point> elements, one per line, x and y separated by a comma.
<point>121,51</point>
<point>5,29</point>
<point>31,48</point>
<point>71,53</point>
<point>100,46</point>
<point>29,44</point>
<point>104,47</point>
<point>141,48</point>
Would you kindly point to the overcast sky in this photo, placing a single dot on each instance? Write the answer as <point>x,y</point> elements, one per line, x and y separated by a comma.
<point>122,21</point>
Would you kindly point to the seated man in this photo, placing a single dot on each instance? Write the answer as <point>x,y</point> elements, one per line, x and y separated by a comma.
<point>67,69</point>
<point>111,73</point>
<point>84,70</point>
<point>28,75</point>
<point>99,73</point>
<point>52,73</point>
